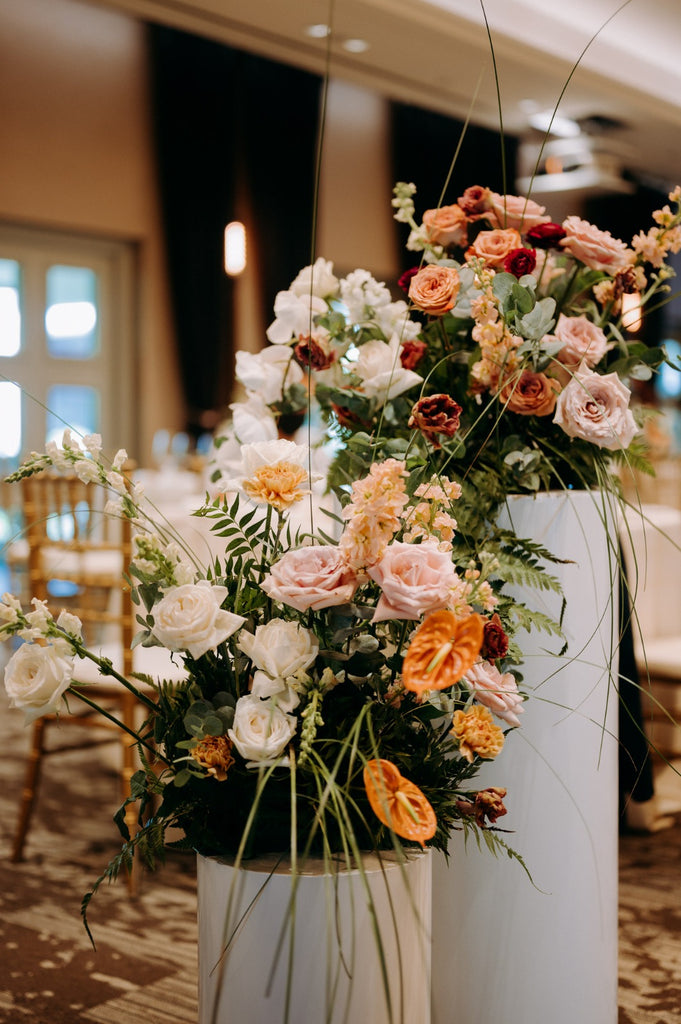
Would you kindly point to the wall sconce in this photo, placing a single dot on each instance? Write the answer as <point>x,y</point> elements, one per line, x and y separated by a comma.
<point>235,248</point>
<point>632,314</point>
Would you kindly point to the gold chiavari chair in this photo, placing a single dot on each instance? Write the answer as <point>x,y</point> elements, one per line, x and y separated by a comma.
<point>77,555</point>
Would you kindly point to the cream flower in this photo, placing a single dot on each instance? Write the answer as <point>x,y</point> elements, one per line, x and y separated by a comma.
<point>383,376</point>
<point>595,407</point>
<point>294,316</point>
<point>280,648</point>
<point>261,731</point>
<point>264,372</point>
<point>319,280</point>
<point>189,618</point>
<point>36,678</point>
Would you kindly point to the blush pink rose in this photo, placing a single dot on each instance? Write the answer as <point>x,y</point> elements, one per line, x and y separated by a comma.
<point>595,407</point>
<point>583,341</point>
<point>311,577</point>
<point>446,226</point>
<point>414,578</point>
<point>597,249</point>
<point>517,212</point>
<point>497,690</point>
<point>434,289</point>
<point>494,246</point>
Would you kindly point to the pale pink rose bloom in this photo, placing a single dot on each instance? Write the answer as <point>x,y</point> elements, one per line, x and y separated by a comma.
<point>597,249</point>
<point>595,407</point>
<point>517,212</point>
<point>414,578</point>
<point>312,577</point>
<point>496,690</point>
<point>583,341</point>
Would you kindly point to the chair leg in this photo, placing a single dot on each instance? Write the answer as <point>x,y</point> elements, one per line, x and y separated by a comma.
<point>31,782</point>
<point>128,768</point>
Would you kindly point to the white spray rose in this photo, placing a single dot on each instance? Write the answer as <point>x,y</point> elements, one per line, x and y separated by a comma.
<point>189,618</point>
<point>36,677</point>
<point>280,648</point>
<point>261,731</point>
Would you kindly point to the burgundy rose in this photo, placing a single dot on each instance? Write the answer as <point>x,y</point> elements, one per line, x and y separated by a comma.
<point>412,353</point>
<point>436,414</point>
<point>520,262</point>
<point>545,236</point>
<point>308,352</point>
<point>494,639</point>
<point>405,279</point>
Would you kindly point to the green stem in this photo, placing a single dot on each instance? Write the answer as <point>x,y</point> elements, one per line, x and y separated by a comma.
<point>117,722</point>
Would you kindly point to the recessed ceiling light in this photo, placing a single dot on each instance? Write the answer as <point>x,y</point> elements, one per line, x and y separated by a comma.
<point>317,31</point>
<point>355,45</point>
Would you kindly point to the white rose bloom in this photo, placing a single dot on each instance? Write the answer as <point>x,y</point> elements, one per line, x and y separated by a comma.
<point>383,376</point>
<point>280,648</point>
<point>284,695</point>
<point>189,618</point>
<point>253,421</point>
<point>36,677</point>
<point>294,316</point>
<point>318,280</point>
<point>264,372</point>
<point>261,731</point>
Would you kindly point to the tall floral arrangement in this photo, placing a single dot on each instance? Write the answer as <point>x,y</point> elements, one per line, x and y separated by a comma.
<point>347,674</point>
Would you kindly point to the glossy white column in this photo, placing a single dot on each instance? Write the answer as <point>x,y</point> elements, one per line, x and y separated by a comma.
<point>545,952</point>
<point>333,961</point>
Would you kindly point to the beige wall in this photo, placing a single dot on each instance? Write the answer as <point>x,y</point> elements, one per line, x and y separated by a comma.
<point>75,153</point>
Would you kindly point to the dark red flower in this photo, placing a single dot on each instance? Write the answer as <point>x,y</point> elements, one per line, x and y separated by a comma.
<point>487,806</point>
<point>494,639</point>
<point>520,262</point>
<point>475,200</point>
<point>436,414</point>
<point>412,353</point>
<point>308,352</point>
<point>545,236</point>
<point>405,279</point>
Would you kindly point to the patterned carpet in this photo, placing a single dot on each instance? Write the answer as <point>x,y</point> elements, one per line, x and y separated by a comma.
<point>144,968</point>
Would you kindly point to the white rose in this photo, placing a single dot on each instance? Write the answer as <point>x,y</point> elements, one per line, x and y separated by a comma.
<point>285,696</point>
<point>264,372</point>
<point>261,731</point>
<point>383,376</point>
<point>189,618</point>
<point>36,677</point>
<point>280,648</point>
<point>319,279</point>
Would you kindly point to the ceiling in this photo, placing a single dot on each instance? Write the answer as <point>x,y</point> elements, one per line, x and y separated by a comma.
<point>625,90</point>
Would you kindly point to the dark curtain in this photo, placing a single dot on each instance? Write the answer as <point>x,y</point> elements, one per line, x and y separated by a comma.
<point>423,145</point>
<point>225,120</point>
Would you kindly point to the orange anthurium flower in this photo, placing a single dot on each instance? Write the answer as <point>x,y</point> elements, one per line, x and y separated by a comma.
<point>442,650</point>
<point>398,803</point>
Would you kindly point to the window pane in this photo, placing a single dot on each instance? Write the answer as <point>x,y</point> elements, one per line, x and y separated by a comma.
<point>72,406</point>
<point>10,420</point>
<point>10,309</point>
<point>71,312</point>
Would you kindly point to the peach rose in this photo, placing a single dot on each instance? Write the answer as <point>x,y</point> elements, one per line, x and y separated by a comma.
<point>434,289</point>
<point>312,577</point>
<point>414,578</point>
<point>446,226</point>
<point>595,407</point>
<point>597,249</point>
<point>494,246</point>
<point>530,394</point>
<point>496,690</point>
<point>517,212</point>
<point>582,341</point>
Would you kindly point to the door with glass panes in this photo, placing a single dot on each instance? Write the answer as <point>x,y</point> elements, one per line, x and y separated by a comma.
<point>66,340</point>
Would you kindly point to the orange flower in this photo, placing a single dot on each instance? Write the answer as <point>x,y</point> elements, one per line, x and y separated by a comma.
<point>277,485</point>
<point>442,650</point>
<point>398,803</point>
<point>477,733</point>
<point>215,754</point>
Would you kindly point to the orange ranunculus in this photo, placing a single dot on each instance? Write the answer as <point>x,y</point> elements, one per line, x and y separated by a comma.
<point>278,485</point>
<point>398,803</point>
<point>442,650</point>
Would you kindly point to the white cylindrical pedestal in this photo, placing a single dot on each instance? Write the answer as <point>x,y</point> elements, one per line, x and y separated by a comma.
<point>503,949</point>
<point>332,961</point>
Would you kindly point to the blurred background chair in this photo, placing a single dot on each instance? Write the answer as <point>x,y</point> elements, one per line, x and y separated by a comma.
<point>77,555</point>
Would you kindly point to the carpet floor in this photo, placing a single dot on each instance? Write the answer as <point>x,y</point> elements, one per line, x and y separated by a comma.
<point>143,969</point>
